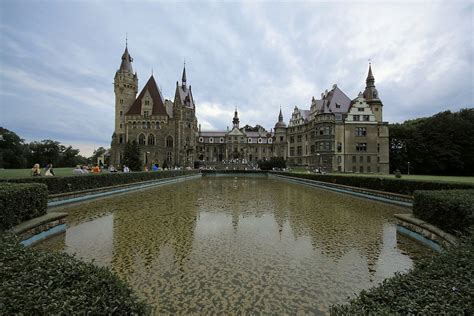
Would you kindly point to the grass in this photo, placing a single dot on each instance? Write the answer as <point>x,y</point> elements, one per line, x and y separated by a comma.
<point>26,173</point>
<point>404,177</point>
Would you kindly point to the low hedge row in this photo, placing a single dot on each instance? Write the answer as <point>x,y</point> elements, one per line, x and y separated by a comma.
<point>20,202</point>
<point>440,285</point>
<point>34,282</point>
<point>400,186</point>
<point>452,210</point>
<point>58,185</point>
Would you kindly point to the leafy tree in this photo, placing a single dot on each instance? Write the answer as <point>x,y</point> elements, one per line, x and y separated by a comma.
<point>12,150</point>
<point>274,162</point>
<point>131,156</point>
<point>441,145</point>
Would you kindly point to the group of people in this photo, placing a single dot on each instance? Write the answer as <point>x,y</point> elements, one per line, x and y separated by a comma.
<point>86,169</point>
<point>47,171</point>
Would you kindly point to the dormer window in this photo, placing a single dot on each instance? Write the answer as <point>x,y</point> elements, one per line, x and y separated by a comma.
<point>201,139</point>
<point>145,113</point>
<point>338,106</point>
<point>360,109</point>
<point>211,140</point>
<point>222,139</point>
<point>375,95</point>
<point>147,102</point>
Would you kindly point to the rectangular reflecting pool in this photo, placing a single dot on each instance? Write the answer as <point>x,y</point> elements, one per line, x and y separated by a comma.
<point>240,245</point>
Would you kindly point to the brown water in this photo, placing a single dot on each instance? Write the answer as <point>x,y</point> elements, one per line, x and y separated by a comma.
<point>241,245</point>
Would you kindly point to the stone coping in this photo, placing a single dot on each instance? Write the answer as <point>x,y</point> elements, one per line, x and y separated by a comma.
<point>80,196</point>
<point>38,221</point>
<point>66,195</point>
<point>427,230</point>
<point>382,196</point>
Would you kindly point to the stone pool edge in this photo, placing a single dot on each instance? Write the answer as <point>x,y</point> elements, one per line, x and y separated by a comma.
<point>381,196</point>
<point>424,232</point>
<point>79,196</point>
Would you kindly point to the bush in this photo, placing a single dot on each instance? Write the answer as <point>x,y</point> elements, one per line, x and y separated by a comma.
<point>443,284</point>
<point>274,162</point>
<point>33,282</point>
<point>20,202</point>
<point>452,211</point>
<point>399,186</point>
<point>398,174</point>
<point>92,181</point>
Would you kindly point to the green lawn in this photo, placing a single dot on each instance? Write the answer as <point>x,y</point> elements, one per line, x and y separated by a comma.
<point>404,177</point>
<point>26,173</point>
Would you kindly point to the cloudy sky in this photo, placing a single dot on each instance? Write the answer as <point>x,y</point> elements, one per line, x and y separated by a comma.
<point>58,59</point>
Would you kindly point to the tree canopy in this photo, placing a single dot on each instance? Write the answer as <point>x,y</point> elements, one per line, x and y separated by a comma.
<point>442,144</point>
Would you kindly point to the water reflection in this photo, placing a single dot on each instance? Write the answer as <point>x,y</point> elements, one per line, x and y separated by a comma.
<point>240,245</point>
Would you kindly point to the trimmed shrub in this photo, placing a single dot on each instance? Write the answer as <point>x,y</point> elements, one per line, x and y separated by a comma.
<point>33,282</point>
<point>58,185</point>
<point>399,186</point>
<point>274,162</point>
<point>452,211</point>
<point>20,202</point>
<point>440,285</point>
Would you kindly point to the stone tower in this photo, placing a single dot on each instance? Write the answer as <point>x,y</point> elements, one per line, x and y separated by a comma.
<point>371,95</point>
<point>280,137</point>
<point>184,112</point>
<point>125,88</point>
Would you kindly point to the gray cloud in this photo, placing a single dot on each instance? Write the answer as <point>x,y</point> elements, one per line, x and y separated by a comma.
<point>57,60</point>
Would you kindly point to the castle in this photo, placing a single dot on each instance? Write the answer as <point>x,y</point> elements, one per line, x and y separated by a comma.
<point>336,134</point>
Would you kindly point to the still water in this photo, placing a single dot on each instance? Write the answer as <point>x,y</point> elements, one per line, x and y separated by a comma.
<point>240,245</point>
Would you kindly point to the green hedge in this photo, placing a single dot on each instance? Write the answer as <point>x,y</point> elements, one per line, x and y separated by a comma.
<point>34,282</point>
<point>441,285</point>
<point>92,181</point>
<point>399,186</point>
<point>452,211</point>
<point>20,202</point>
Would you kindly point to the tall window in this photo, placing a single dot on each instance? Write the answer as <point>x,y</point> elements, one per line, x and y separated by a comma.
<point>141,139</point>
<point>339,147</point>
<point>151,139</point>
<point>292,139</point>
<point>169,141</point>
<point>168,156</point>
<point>361,147</point>
<point>134,125</point>
<point>157,124</point>
<point>361,131</point>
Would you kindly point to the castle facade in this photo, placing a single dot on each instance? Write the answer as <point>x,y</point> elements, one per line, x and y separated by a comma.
<point>336,134</point>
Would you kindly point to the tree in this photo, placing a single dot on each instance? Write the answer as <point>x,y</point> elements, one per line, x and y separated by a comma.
<point>274,162</point>
<point>441,145</point>
<point>12,150</point>
<point>131,156</point>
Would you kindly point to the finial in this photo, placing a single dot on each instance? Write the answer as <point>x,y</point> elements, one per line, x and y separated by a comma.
<point>152,71</point>
<point>126,39</point>
<point>370,62</point>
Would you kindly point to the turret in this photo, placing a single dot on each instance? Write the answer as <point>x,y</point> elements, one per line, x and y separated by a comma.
<point>280,123</point>
<point>371,95</point>
<point>125,88</point>
<point>236,120</point>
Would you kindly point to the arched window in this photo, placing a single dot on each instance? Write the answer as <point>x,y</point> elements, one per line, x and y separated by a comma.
<point>151,139</point>
<point>148,125</point>
<point>188,142</point>
<point>143,124</point>
<point>141,139</point>
<point>169,141</point>
<point>157,124</point>
<point>134,125</point>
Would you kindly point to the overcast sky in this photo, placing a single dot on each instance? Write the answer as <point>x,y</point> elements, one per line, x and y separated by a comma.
<point>58,59</point>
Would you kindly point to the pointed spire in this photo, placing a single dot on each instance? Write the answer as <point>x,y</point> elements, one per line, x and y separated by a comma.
<point>183,78</point>
<point>280,116</point>
<point>370,81</point>
<point>236,120</point>
<point>127,60</point>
